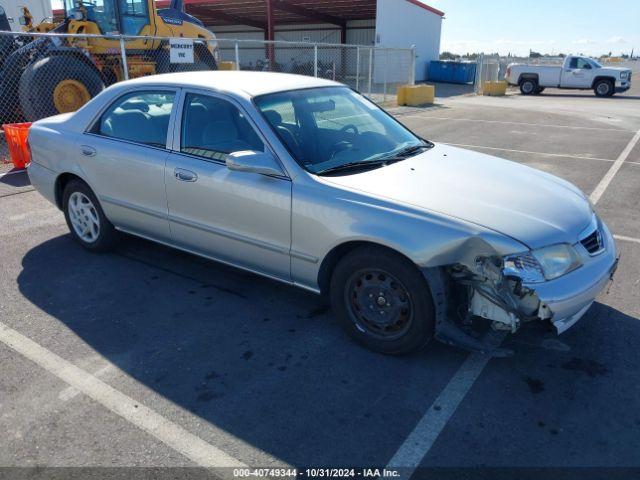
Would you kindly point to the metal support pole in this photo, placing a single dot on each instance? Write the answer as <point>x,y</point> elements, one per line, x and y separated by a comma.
<point>370,69</point>
<point>237,56</point>
<point>315,60</point>
<point>412,66</point>
<point>357,68</point>
<point>386,66</point>
<point>123,54</point>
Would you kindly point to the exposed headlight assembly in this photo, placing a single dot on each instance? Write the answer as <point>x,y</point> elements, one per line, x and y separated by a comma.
<point>543,264</point>
<point>624,75</point>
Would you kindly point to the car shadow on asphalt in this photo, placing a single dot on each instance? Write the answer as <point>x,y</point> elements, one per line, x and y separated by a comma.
<point>263,361</point>
<point>269,364</point>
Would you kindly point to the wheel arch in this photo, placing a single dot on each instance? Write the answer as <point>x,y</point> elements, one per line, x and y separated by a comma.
<point>528,76</point>
<point>61,183</point>
<point>603,77</point>
<point>338,252</point>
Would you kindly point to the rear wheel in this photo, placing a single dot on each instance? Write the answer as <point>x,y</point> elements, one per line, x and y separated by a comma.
<point>603,88</point>
<point>57,84</point>
<point>85,218</point>
<point>528,86</point>
<point>383,301</point>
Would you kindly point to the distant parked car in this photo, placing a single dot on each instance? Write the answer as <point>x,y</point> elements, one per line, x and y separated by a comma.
<point>578,73</point>
<point>307,182</point>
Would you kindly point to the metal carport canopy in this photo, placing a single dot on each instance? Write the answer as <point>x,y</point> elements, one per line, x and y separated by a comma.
<point>257,13</point>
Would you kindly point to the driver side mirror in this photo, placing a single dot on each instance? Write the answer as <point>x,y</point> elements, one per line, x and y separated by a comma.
<point>251,161</point>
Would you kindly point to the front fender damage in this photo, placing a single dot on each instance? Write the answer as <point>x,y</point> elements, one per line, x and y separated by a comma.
<point>473,287</point>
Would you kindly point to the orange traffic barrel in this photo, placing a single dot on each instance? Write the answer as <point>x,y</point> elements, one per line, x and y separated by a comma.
<point>16,136</point>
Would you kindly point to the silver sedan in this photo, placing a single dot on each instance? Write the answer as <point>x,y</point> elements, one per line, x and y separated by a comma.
<point>307,182</point>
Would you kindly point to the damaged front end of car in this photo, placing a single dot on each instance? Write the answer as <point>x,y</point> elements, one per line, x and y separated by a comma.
<point>510,290</point>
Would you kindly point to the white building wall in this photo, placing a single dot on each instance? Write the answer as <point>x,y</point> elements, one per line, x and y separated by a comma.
<point>400,23</point>
<point>40,9</point>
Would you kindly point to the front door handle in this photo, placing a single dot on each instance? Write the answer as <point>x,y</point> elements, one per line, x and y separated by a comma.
<point>88,151</point>
<point>185,175</point>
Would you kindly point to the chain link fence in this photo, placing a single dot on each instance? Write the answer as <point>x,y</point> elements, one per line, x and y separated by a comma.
<point>46,74</point>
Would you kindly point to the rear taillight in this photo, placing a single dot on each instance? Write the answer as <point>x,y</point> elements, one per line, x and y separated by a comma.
<point>508,71</point>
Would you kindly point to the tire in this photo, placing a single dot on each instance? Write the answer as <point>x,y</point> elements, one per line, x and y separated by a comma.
<point>57,84</point>
<point>603,88</point>
<point>539,90</point>
<point>370,280</point>
<point>528,86</point>
<point>105,236</point>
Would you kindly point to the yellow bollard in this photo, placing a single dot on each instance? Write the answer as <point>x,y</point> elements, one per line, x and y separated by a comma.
<point>226,65</point>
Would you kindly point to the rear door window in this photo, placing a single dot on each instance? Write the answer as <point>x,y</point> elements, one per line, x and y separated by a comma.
<point>140,117</point>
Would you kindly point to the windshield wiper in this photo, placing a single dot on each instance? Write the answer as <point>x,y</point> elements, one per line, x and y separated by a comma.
<point>378,162</point>
<point>409,151</point>
<point>359,165</point>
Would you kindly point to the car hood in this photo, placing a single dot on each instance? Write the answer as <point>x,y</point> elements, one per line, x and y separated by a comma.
<point>531,206</point>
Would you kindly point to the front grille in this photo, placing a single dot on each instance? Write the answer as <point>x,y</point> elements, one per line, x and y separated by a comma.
<point>593,242</point>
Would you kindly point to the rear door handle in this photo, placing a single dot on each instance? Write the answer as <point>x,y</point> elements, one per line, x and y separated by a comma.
<point>185,175</point>
<point>88,151</point>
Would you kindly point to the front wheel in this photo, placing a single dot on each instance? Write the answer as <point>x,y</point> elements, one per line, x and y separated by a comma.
<point>603,88</point>
<point>383,301</point>
<point>85,218</point>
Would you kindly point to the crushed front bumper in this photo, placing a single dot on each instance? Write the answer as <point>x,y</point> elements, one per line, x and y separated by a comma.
<point>570,296</point>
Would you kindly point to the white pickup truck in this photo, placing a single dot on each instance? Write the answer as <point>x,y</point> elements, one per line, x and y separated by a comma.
<point>580,73</point>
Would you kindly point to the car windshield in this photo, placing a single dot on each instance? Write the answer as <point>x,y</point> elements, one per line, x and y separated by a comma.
<point>329,127</point>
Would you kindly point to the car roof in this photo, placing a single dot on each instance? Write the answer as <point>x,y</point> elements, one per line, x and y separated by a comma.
<point>251,83</point>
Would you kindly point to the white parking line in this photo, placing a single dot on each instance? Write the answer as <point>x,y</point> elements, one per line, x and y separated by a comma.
<point>606,180</point>
<point>169,433</point>
<point>504,122</point>
<point>627,239</point>
<point>564,155</point>
<point>426,432</point>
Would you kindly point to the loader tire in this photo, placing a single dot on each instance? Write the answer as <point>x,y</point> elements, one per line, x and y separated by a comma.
<point>57,84</point>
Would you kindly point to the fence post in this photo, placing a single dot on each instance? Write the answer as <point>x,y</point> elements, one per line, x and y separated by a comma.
<point>412,66</point>
<point>237,48</point>
<point>357,68</point>
<point>123,54</point>
<point>370,69</point>
<point>315,60</point>
<point>386,65</point>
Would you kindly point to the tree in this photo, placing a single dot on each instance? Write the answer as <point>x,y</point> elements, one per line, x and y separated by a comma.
<point>448,56</point>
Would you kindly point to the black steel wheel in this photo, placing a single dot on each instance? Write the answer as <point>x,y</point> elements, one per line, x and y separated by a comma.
<point>379,304</point>
<point>382,300</point>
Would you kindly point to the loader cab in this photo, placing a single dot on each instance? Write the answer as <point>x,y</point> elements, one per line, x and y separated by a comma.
<point>127,17</point>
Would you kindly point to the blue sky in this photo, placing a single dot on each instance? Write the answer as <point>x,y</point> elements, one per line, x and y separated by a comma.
<point>550,26</point>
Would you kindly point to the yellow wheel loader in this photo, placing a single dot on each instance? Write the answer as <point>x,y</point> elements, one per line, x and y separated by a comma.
<point>42,76</point>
